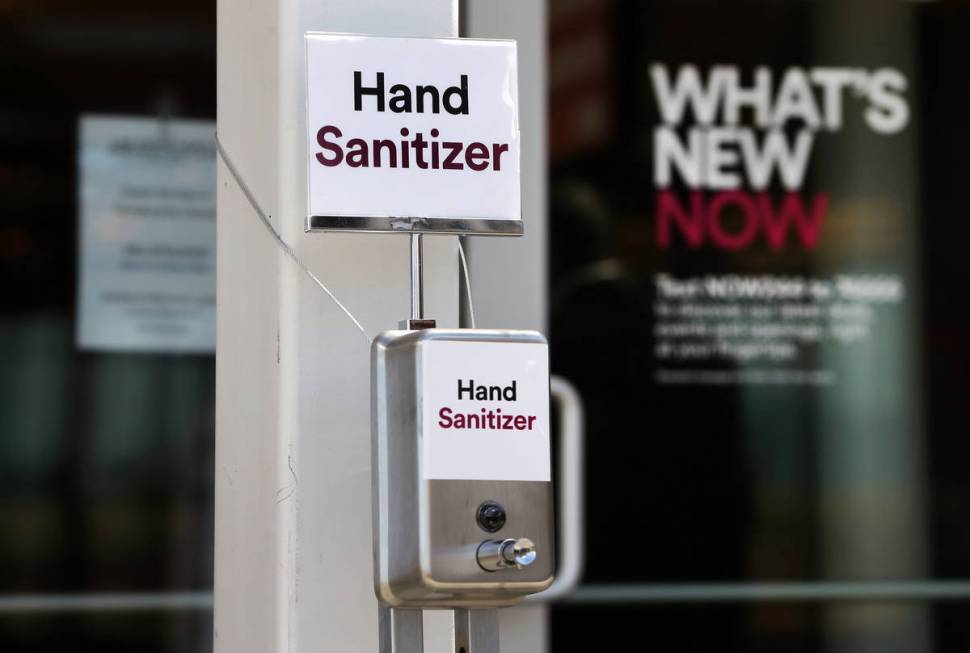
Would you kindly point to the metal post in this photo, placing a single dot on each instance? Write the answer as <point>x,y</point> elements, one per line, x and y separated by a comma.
<point>476,631</point>
<point>417,277</point>
<point>401,631</point>
<point>417,319</point>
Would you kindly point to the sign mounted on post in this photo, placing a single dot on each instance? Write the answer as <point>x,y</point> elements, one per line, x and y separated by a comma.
<point>412,135</point>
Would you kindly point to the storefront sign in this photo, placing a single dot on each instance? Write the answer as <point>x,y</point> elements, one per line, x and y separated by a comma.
<point>412,135</point>
<point>147,235</point>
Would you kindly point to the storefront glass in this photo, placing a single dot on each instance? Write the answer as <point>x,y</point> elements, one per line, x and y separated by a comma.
<point>756,283</point>
<point>106,449</point>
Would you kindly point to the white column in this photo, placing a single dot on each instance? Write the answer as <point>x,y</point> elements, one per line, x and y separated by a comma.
<point>293,505</point>
<point>509,274</point>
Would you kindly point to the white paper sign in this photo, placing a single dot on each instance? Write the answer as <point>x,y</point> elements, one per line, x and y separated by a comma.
<point>485,411</point>
<point>147,234</point>
<point>412,128</point>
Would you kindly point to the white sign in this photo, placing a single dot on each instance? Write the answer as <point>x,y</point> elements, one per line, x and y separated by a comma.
<point>408,134</point>
<point>147,234</point>
<point>485,411</point>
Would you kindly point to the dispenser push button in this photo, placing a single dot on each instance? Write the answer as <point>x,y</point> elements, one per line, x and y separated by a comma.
<point>494,555</point>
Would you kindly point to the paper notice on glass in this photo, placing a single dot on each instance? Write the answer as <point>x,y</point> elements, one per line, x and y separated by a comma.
<point>147,277</point>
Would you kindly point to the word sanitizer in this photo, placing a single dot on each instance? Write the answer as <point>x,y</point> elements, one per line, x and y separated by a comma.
<point>461,462</point>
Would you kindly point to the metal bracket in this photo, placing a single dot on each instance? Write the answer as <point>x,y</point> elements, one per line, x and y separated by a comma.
<point>416,325</point>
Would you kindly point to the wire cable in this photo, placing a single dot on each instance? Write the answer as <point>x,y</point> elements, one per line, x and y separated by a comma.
<point>468,283</point>
<point>265,218</point>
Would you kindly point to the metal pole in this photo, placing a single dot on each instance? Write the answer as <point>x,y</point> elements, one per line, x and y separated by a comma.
<point>417,276</point>
<point>401,631</point>
<point>476,631</point>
